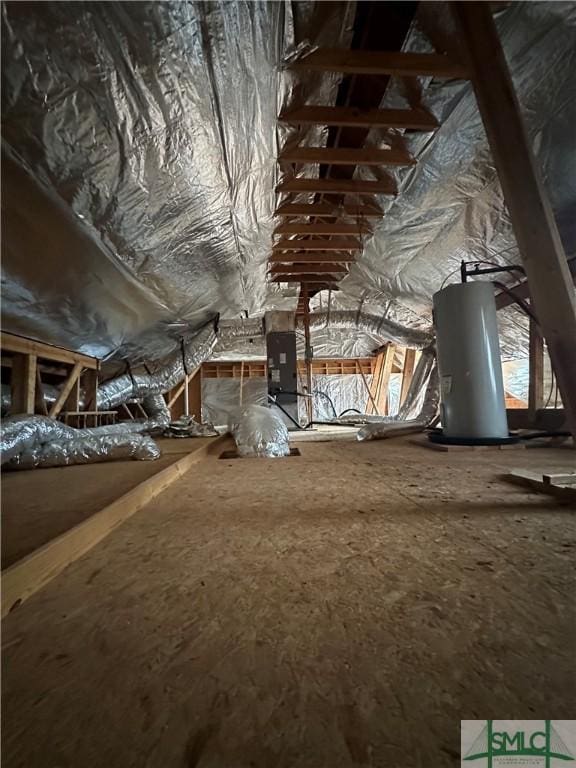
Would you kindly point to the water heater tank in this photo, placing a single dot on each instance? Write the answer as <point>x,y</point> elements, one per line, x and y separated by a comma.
<point>471,386</point>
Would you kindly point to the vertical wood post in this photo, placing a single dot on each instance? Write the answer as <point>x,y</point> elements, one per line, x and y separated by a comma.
<point>23,384</point>
<point>535,370</point>
<point>307,353</point>
<point>195,394</point>
<point>407,372</point>
<point>90,378</point>
<point>536,233</point>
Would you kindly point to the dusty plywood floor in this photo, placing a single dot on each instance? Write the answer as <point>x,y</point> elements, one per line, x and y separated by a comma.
<point>344,608</point>
<point>38,505</point>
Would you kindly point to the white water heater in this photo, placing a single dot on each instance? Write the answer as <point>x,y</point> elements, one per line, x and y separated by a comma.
<point>473,405</point>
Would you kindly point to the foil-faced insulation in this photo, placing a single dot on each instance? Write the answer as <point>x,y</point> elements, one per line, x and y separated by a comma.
<point>87,450</point>
<point>22,433</point>
<point>375,325</point>
<point>169,374</point>
<point>259,432</point>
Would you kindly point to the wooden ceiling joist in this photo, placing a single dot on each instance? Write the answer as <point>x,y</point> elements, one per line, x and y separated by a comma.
<point>415,119</point>
<point>311,258</point>
<point>342,156</point>
<point>305,278</point>
<point>341,244</point>
<point>340,186</point>
<point>360,62</point>
<point>307,269</point>
<point>322,229</point>
<point>325,210</point>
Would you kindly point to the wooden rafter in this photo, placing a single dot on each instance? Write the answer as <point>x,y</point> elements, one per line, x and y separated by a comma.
<point>314,257</point>
<point>305,278</point>
<point>313,269</point>
<point>414,119</point>
<point>322,229</point>
<point>386,186</point>
<point>341,244</point>
<point>325,210</point>
<point>342,156</point>
<point>361,62</point>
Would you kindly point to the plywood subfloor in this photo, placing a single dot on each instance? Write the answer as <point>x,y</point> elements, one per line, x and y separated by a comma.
<point>343,608</point>
<point>38,505</point>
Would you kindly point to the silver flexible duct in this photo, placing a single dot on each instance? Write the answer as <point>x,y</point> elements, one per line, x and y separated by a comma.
<point>87,450</point>
<point>394,427</point>
<point>376,325</point>
<point>259,432</point>
<point>123,388</point>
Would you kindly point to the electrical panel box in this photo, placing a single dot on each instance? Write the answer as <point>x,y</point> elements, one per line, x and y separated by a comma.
<point>282,371</point>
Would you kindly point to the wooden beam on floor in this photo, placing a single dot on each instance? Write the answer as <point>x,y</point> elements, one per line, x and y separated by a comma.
<point>343,156</point>
<point>305,269</point>
<point>322,229</point>
<point>314,257</point>
<point>414,119</point>
<point>328,211</point>
<point>65,391</point>
<point>339,186</point>
<point>28,575</point>
<point>407,373</point>
<point>361,62</point>
<point>10,342</point>
<point>342,244</point>
<point>551,287</point>
<point>23,384</point>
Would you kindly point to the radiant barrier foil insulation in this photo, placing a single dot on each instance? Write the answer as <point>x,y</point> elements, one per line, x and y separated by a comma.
<point>471,383</point>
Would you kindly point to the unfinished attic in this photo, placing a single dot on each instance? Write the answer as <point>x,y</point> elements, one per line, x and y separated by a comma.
<point>288,384</point>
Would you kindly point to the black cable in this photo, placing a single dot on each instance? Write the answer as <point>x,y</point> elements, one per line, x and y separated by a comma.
<point>350,410</point>
<point>521,303</point>
<point>285,412</point>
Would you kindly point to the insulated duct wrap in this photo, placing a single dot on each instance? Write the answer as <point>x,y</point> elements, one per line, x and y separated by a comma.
<point>375,325</point>
<point>22,433</point>
<point>135,387</point>
<point>259,432</point>
<point>87,450</point>
<point>394,427</point>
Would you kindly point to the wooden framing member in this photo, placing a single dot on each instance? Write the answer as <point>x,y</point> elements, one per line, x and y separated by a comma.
<point>371,397</point>
<point>300,278</point>
<point>311,258</point>
<point>306,269</point>
<point>28,575</point>
<point>23,386</point>
<point>385,186</point>
<point>342,156</point>
<point>90,379</point>
<point>313,244</point>
<point>65,391</point>
<point>543,257</point>
<point>414,119</point>
<point>381,378</point>
<point>328,211</point>
<point>323,229</point>
<point>362,62</point>
<point>24,346</point>
<point>407,372</point>
<point>535,369</point>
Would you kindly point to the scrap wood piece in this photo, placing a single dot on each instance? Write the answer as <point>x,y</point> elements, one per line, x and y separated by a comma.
<point>535,480</point>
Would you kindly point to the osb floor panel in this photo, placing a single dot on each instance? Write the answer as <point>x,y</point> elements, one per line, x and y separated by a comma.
<point>38,505</point>
<point>344,608</point>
